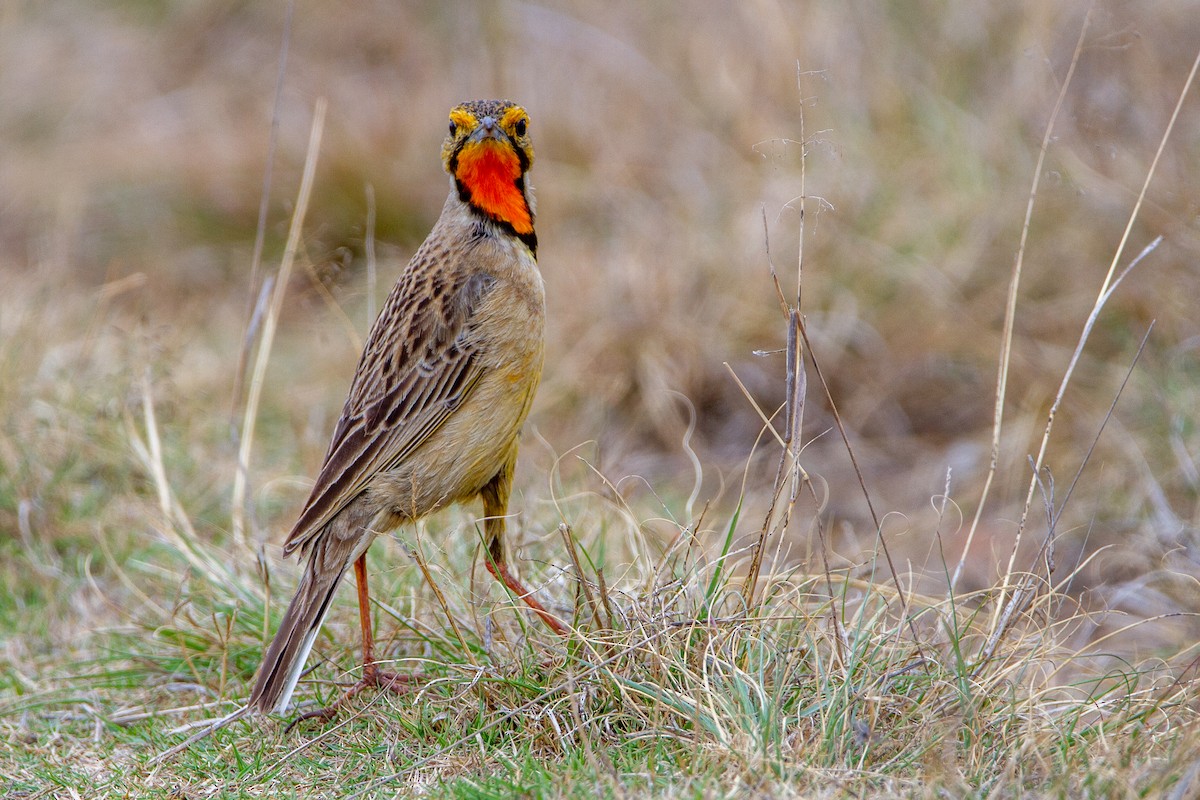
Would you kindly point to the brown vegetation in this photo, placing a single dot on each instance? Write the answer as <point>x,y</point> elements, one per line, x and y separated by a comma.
<point>133,140</point>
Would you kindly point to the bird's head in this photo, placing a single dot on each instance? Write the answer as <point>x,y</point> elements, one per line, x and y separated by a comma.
<point>488,152</point>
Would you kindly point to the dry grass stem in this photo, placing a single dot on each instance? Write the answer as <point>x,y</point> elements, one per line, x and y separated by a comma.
<point>1010,308</point>
<point>264,206</point>
<point>1004,609</point>
<point>246,440</point>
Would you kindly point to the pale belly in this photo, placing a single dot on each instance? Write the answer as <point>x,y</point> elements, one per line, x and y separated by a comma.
<point>480,438</point>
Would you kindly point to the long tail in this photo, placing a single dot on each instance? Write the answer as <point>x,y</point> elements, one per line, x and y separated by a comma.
<point>284,660</point>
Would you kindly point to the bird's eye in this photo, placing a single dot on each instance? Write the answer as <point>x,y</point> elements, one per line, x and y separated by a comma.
<point>453,128</point>
<point>520,127</point>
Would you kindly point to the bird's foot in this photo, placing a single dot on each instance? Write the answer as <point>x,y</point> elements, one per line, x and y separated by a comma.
<point>373,678</point>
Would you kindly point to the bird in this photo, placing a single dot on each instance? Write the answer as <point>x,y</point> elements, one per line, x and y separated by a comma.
<point>444,384</point>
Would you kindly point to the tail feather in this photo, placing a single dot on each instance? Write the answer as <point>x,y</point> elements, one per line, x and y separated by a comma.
<point>284,660</point>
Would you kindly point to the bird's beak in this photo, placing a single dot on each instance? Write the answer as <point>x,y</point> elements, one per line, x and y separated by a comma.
<point>488,129</point>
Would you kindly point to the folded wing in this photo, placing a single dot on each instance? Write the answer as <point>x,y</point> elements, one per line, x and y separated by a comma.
<point>426,363</point>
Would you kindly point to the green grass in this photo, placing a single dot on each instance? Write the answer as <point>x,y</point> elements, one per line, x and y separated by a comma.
<point>668,688</point>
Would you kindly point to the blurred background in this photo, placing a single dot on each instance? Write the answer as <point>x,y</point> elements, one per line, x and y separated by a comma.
<point>673,142</point>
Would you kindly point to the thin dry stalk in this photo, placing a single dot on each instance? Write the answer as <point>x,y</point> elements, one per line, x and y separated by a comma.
<point>260,234</point>
<point>789,470</point>
<point>568,537</point>
<point>1023,589</point>
<point>1111,281</point>
<point>1010,310</point>
<point>269,325</point>
<point>416,556</point>
<point>768,426</point>
<point>602,587</point>
<point>372,272</point>
<point>1055,514</point>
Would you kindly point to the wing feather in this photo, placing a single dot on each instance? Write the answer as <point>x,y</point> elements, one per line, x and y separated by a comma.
<point>420,362</point>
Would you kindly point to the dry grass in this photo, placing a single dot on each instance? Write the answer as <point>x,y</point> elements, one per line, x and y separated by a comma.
<point>135,138</point>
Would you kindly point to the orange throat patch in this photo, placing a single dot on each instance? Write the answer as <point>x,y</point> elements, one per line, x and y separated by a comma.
<point>489,170</point>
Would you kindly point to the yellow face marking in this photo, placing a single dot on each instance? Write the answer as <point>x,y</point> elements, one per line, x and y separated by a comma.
<point>510,119</point>
<point>463,119</point>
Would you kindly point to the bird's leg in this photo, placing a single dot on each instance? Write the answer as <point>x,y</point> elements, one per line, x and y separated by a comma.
<point>370,668</point>
<point>495,508</point>
<point>372,676</point>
